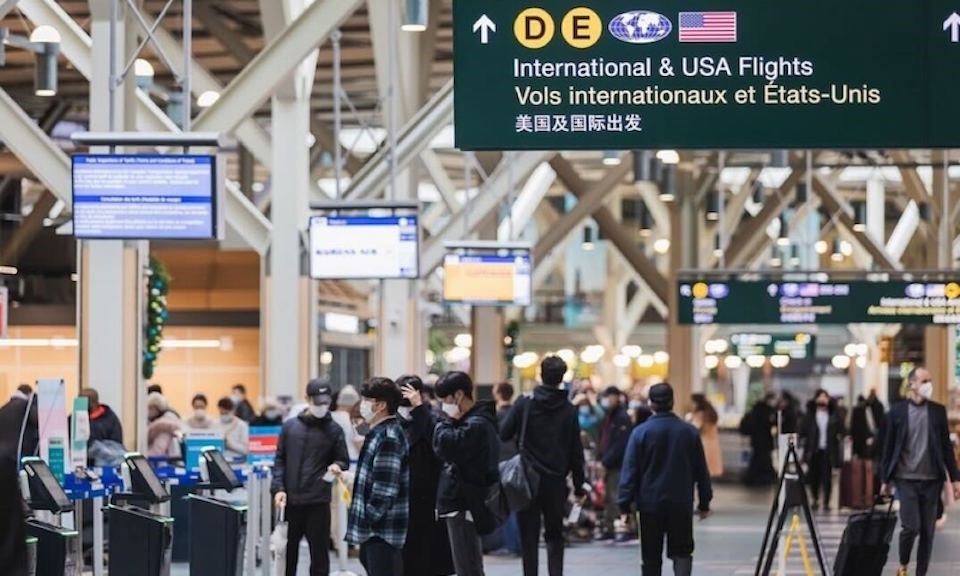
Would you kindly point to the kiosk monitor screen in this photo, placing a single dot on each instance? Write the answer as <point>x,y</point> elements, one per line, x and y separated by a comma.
<point>144,479</point>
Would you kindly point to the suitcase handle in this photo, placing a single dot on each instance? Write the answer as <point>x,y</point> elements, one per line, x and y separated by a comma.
<point>878,500</point>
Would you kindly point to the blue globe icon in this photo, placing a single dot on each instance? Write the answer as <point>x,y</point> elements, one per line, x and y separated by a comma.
<point>640,27</point>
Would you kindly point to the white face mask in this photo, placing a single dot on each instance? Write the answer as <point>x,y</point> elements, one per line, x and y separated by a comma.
<point>366,410</point>
<point>237,398</point>
<point>926,390</point>
<point>405,412</point>
<point>226,418</point>
<point>200,413</point>
<point>605,403</point>
<point>319,411</point>
<point>451,410</point>
<point>272,414</point>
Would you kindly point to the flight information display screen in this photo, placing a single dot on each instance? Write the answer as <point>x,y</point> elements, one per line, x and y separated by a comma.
<point>376,247</point>
<point>827,302</point>
<point>145,197</point>
<point>499,278</point>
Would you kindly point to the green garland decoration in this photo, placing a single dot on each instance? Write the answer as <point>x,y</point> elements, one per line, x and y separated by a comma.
<point>158,284</point>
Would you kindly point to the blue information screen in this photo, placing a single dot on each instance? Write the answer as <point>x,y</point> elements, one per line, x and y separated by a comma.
<point>144,197</point>
<point>364,247</point>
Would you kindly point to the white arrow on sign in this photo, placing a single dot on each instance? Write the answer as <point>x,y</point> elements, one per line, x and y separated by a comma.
<point>485,26</point>
<point>952,23</point>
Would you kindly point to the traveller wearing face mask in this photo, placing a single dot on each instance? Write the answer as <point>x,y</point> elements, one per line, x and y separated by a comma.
<point>427,550</point>
<point>271,415</point>
<point>821,436</point>
<point>380,509</point>
<point>553,448</point>
<point>236,432</point>
<point>242,407</point>
<point>200,417</point>
<point>614,433</point>
<point>468,442</point>
<point>310,449</point>
<point>917,457</point>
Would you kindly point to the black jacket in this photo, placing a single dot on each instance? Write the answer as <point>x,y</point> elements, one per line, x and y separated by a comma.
<point>13,533</point>
<point>865,440</point>
<point>553,433</point>
<point>939,445</point>
<point>106,426</point>
<point>245,411</point>
<point>810,437</point>
<point>307,447</point>
<point>470,450</point>
<point>11,419</point>
<point>427,549</point>
<point>508,449</point>
<point>614,433</point>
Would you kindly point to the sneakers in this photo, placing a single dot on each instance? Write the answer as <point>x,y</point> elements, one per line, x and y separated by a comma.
<point>902,571</point>
<point>626,539</point>
<point>604,537</point>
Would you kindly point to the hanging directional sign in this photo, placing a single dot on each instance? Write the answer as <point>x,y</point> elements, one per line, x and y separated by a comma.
<point>703,301</point>
<point>623,74</point>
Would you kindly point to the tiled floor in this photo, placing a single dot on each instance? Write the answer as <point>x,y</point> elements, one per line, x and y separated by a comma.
<point>727,545</point>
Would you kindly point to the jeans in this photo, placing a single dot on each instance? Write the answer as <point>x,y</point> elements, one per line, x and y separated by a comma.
<point>676,526</point>
<point>918,517</point>
<point>821,476</point>
<point>611,511</point>
<point>465,546</point>
<point>549,504</point>
<point>312,521</point>
<point>380,559</point>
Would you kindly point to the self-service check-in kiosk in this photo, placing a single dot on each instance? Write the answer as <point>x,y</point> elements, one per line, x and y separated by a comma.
<point>217,528</point>
<point>57,548</point>
<point>140,540</point>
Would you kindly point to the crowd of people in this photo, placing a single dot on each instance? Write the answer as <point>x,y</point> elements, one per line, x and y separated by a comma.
<point>427,492</point>
<point>422,464</point>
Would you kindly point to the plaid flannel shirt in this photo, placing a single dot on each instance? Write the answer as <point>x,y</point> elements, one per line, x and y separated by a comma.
<point>381,491</point>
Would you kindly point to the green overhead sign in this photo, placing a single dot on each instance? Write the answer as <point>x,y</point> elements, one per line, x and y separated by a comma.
<point>629,74</point>
<point>812,302</point>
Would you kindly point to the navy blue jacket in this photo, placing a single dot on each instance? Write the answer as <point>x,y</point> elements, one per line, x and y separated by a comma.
<point>939,445</point>
<point>614,434</point>
<point>663,461</point>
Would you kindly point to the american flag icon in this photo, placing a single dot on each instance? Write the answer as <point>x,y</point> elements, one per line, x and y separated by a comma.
<point>708,26</point>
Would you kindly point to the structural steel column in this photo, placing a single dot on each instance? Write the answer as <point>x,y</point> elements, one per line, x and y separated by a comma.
<point>287,350</point>
<point>110,317</point>
<point>939,342</point>
<point>685,358</point>
<point>487,363</point>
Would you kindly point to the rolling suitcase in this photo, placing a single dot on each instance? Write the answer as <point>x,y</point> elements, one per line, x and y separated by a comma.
<point>866,541</point>
<point>856,484</point>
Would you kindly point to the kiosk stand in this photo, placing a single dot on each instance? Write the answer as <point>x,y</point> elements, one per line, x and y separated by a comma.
<point>218,529</point>
<point>140,540</point>
<point>57,548</point>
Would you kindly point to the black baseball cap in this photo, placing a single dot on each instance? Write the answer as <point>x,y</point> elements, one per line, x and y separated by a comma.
<point>661,395</point>
<point>320,391</point>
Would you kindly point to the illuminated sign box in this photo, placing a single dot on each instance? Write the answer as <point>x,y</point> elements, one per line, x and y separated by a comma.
<point>146,197</point>
<point>488,274</point>
<point>364,247</point>
<point>800,346</point>
<point>705,301</point>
